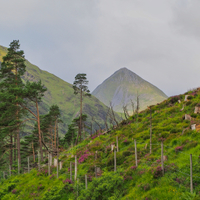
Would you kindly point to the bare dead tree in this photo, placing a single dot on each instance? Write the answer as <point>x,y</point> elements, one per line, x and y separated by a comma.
<point>138,105</point>
<point>133,107</point>
<point>125,111</point>
<point>150,131</point>
<point>113,114</point>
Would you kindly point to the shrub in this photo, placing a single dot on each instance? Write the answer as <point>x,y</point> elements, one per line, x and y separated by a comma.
<point>134,167</point>
<point>190,97</point>
<point>193,115</point>
<point>105,187</point>
<point>126,153</point>
<point>178,148</point>
<point>14,191</point>
<point>174,99</point>
<point>83,157</point>
<point>157,172</point>
<point>67,181</point>
<point>126,142</point>
<point>175,130</point>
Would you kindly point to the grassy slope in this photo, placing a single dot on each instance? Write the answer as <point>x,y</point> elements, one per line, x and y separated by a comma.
<point>61,93</point>
<point>144,182</point>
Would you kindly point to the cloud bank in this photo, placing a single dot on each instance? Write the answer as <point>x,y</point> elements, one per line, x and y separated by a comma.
<point>159,40</point>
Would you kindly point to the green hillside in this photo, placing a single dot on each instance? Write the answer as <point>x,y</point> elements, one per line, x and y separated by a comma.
<point>144,182</point>
<point>61,93</point>
<point>123,86</point>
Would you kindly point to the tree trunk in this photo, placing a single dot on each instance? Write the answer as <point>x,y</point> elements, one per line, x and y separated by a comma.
<point>150,132</point>
<point>81,101</point>
<point>11,150</point>
<point>18,136</point>
<point>15,148</point>
<point>39,132</point>
<point>55,136</point>
<point>33,152</point>
<point>18,147</point>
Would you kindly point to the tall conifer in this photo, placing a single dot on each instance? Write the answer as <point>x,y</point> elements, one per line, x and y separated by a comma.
<point>80,87</point>
<point>11,86</point>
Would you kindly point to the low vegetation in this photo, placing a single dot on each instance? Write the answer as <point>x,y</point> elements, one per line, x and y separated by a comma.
<point>145,181</point>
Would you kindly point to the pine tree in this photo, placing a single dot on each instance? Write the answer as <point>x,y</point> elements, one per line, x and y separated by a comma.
<point>11,90</point>
<point>80,87</point>
<point>33,93</point>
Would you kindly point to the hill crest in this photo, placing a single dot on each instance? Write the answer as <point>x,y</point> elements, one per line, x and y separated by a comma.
<point>123,86</point>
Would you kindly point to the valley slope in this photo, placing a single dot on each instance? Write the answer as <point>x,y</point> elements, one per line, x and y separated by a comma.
<point>61,93</point>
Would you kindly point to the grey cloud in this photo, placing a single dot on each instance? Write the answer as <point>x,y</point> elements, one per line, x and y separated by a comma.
<point>100,36</point>
<point>187,17</point>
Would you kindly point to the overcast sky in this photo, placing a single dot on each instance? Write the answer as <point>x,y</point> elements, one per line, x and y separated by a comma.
<point>157,39</point>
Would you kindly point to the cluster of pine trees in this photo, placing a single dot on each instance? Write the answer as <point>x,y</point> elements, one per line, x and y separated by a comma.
<point>19,103</point>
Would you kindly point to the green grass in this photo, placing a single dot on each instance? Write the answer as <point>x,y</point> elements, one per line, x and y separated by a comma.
<point>145,181</point>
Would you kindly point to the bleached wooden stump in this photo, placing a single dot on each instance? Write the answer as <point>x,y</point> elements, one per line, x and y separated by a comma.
<point>193,126</point>
<point>50,159</point>
<point>187,117</point>
<point>182,108</point>
<point>196,109</point>
<point>165,158</point>
<point>55,162</point>
<point>61,164</point>
<point>112,147</point>
<point>98,170</point>
<point>186,96</point>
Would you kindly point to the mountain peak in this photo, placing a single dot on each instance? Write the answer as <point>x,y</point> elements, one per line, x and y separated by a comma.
<point>123,86</point>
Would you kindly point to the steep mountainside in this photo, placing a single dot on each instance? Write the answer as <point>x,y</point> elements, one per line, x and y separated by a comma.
<point>139,174</point>
<point>123,86</point>
<point>61,93</point>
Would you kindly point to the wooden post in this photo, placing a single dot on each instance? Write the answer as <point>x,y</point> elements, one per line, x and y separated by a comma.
<point>10,170</point>
<point>50,159</point>
<point>191,179</point>
<point>28,165</point>
<point>77,186</point>
<point>18,166</point>
<point>150,132</point>
<point>86,181</point>
<point>117,144</point>
<point>136,163</point>
<point>57,167</point>
<point>71,171</point>
<point>38,160</point>
<point>95,171</point>
<point>115,161</point>
<point>162,160</point>
<point>49,163</point>
<point>75,175</point>
<point>95,168</point>
<point>61,164</point>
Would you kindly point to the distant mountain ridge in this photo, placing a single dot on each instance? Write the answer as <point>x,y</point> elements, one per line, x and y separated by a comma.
<point>122,87</point>
<point>61,93</point>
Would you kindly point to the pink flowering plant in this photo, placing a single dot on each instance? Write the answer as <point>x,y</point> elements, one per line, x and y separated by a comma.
<point>83,158</point>
<point>134,167</point>
<point>178,148</point>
